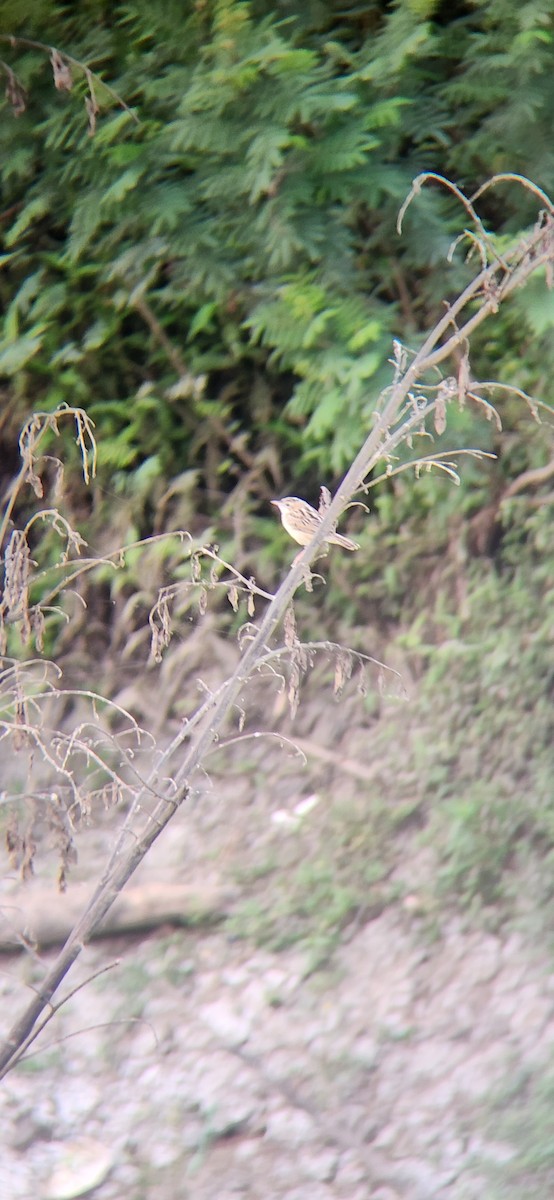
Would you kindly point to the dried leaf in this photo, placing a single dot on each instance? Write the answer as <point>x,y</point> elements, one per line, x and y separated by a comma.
<point>159,621</point>
<point>38,626</point>
<point>15,94</point>
<point>17,563</point>
<point>29,849</point>
<point>202,601</point>
<point>463,379</point>
<point>60,827</point>
<point>291,636</point>
<point>13,841</point>
<point>251,605</point>
<point>92,113</point>
<point>400,359</point>
<point>491,291</point>
<point>16,570</point>
<point>233,597</point>
<point>440,413</point>
<point>111,795</point>
<point>293,690</point>
<point>35,482</point>
<point>63,79</point>
<point>308,579</point>
<point>324,499</point>
<point>343,671</point>
<point>57,484</point>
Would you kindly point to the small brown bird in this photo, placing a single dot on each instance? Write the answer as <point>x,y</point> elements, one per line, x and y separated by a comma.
<point>301,521</point>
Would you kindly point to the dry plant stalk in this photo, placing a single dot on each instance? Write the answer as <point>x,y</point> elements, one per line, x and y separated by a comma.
<point>63,68</point>
<point>402,412</point>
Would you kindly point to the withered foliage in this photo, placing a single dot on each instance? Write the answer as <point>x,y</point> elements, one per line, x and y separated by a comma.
<point>15,599</point>
<point>16,94</point>
<point>64,69</point>
<point>63,79</point>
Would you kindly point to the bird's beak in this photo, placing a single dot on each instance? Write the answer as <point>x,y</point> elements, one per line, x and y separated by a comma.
<point>275,502</point>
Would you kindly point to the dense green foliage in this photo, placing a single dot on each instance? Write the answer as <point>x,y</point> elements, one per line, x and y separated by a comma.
<point>218,282</point>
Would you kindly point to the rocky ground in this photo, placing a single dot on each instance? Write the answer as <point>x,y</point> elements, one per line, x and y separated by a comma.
<point>208,1069</point>
<point>204,1066</point>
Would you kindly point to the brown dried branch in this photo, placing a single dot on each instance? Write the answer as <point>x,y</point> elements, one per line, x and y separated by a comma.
<point>159,617</point>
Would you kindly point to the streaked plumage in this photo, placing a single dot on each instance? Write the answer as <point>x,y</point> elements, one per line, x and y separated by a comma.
<point>300,521</point>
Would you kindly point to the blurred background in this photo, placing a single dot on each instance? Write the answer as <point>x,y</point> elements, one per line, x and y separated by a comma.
<point>199,248</point>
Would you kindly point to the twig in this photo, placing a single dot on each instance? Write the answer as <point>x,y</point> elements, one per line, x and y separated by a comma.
<point>349,765</point>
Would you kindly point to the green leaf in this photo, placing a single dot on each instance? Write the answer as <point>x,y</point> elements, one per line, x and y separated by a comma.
<point>203,319</point>
<point>125,183</point>
<point>33,211</point>
<point>16,356</point>
<point>370,332</point>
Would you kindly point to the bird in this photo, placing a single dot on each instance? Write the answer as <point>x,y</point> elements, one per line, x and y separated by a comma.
<point>300,521</point>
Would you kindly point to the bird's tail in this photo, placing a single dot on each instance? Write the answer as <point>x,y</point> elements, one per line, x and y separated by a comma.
<point>346,543</point>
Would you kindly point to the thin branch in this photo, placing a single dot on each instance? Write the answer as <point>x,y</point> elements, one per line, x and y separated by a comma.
<point>427,461</point>
<point>55,1008</point>
<point>87,1028</point>
<point>291,743</point>
<point>510,177</point>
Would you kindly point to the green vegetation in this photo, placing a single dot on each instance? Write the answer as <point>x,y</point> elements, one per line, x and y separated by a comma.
<point>218,283</point>
<point>316,880</point>
<point>520,1126</point>
<point>462,773</point>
